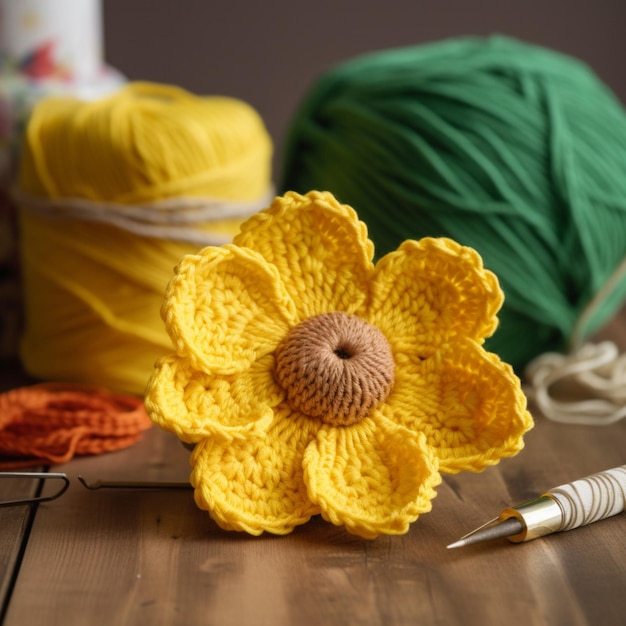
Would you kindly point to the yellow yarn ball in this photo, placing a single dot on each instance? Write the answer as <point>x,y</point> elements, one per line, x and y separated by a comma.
<point>112,194</point>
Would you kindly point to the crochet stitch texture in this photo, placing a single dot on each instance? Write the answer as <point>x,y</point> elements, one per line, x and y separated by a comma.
<point>312,381</point>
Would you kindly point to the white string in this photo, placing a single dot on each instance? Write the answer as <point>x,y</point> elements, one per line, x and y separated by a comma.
<point>170,218</point>
<point>576,339</point>
<point>598,370</point>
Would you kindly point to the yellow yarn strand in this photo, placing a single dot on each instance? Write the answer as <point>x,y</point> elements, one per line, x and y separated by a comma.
<point>105,189</point>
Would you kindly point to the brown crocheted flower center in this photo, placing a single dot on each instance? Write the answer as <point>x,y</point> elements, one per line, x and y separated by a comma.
<point>335,367</point>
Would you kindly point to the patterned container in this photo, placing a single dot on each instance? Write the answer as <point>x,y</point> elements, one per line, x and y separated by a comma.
<point>46,47</point>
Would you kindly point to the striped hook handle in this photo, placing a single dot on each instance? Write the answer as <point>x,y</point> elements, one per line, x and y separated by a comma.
<point>592,498</point>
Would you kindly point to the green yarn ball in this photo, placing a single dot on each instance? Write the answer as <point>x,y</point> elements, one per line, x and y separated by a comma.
<point>512,149</point>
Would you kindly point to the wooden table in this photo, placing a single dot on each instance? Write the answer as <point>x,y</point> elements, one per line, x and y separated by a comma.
<point>120,557</point>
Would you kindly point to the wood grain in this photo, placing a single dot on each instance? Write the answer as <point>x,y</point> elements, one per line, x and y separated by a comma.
<point>14,525</point>
<point>140,557</point>
<point>14,521</point>
<point>136,557</point>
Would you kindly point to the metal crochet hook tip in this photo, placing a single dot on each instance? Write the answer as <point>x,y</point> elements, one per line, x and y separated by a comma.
<point>42,476</point>
<point>101,484</point>
<point>493,529</point>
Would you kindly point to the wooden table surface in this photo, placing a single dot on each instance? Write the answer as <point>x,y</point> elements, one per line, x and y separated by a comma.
<point>120,557</point>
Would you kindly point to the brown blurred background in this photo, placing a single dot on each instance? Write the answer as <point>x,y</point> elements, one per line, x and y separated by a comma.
<point>269,53</point>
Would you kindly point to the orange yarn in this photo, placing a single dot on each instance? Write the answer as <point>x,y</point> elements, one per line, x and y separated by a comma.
<point>53,422</point>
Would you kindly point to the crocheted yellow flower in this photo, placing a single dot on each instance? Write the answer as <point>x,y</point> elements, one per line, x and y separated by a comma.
<point>312,381</point>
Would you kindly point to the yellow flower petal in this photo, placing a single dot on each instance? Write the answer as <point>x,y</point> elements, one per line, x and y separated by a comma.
<point>225,308</point>
<point>256,485</point>
<point>374,478</point>
<point>467,402</point>
<point>320,248</point>
<point>259,465</point>
<point>193,405</point>
<point>428,292</point>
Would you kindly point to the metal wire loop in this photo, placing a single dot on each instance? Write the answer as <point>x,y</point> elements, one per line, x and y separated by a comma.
<point>39,498</point>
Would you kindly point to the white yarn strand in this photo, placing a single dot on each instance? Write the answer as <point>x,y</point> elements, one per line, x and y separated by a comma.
<point>598,370</point>
<point>170,218</point>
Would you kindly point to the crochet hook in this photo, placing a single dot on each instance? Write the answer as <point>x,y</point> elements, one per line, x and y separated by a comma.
<point>101,484</point>
<point>36,499</point>
<point>563,508</point>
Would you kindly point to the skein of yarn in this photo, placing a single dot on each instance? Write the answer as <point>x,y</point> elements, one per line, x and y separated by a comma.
<point>112,194</point>
<point>46,48</point>
<point>515,150</point>
<point>50,423</point>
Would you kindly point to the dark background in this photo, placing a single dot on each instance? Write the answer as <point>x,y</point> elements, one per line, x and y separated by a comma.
<point>269,53</point>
